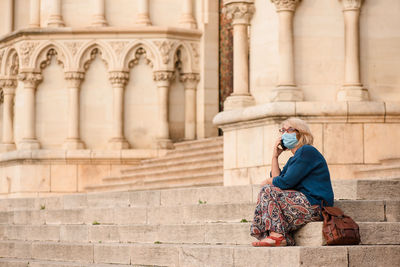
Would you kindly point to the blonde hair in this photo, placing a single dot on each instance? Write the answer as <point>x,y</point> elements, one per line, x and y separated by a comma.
<point>304,134</point>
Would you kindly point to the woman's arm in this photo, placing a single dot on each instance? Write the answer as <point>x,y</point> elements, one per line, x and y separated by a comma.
<point>275,171</point>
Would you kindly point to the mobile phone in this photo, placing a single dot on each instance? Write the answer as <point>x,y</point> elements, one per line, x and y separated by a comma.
<point>283,146</point>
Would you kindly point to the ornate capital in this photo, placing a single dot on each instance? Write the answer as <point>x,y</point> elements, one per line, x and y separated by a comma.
<point>163,78</point>
<point>285,5</point>
<point>239,11</point>
<point>30,79</point>
<point>189,80</point>
<point>351,4</point>
<point>8,83</point>
<point>118,78</point>
<point>74,78</point>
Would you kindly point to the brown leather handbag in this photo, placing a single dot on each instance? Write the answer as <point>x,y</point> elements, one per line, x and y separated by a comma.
<point>338,228</point>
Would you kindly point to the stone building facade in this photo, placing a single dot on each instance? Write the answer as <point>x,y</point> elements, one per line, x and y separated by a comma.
<point>333,63</point>
<point>90,87</point>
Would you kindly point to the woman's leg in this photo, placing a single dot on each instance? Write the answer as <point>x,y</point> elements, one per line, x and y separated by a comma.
<point>279,212</point>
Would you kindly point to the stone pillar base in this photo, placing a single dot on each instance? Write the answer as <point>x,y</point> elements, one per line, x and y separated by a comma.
<point>287,94</point>
<point>29,144</point>
<point>118,144</point>
<point>353,93</point>
<point>238,101</point>
<point>164,144</point>
<point>73,144</point>
<point>7,147</point>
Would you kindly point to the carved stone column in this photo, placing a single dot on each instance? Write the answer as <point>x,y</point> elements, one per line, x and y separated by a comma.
<point>187,20</point>
<point>31,81</point>
<point>163,80</point>
<point>118,79</point>
<point>99,18</point>
<point>190,81</point>
<point>8,86</point>
<point>143,17</point>
<point>240,12</point>
<point>73,140</point>
<point>352,89</point>
<point>286,89</point>
<point>34,19</point>
<point>55,16</point>
<point>9,15</point>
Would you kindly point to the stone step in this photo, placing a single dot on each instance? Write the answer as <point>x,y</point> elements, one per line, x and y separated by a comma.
<point>372,233</point>
<point>367,188</point>
<point>12,262</point>
<point>386,171</point>
<point>178,157</point>
<point>362,211</point>
<point>390,161</point>
<point>173,164</point>
<point>199,143</point>
<point>344,189</point>
<point>201,255</point>
<point>170,172</point>
<point>209,178</point>
<point>198,148</point>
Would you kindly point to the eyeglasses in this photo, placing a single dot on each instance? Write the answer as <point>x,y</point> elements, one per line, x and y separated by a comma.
<point>288,130</point>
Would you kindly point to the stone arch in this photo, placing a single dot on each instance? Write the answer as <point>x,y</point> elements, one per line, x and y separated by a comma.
<point>137,50</point>
<point>88,53</point>
<point>43,54</point>
<point>182,53</point>
<point>10,63</point>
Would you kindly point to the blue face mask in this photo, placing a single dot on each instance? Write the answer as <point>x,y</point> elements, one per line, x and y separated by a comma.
<point>289,140</point>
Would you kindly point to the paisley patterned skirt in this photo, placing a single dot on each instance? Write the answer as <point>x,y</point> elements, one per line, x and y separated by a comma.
<point>282,211</point>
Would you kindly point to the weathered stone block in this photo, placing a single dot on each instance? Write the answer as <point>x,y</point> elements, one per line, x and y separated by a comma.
<point>159,255</point>
<point>112,253</point>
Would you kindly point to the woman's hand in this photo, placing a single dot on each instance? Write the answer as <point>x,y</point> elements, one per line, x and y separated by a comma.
<point>277,151</point>
<point>267,181</point>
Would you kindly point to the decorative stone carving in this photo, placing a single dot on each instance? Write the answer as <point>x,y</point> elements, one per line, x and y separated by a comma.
<point>165,49</point>
<point>25,51</point>
<point>351,4</point>
<point>30,79</point>
<point>189,79</point>
<point>239,11</point>
<point>140,53</point>
<point>49,55</point>
<point>91,56</point>
<point>196,52</point>
<point>285,5</point>
<point>163,76</point>
<point>8,82</point>
<point>73,47</point>
<point>74,78</point>
<point>118,46</point>
<point>119,78</point>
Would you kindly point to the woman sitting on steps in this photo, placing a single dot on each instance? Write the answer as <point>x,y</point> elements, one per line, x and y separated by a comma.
<point>291,197</point>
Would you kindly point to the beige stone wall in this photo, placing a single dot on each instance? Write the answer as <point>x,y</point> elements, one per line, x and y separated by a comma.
<point>318,29</point>
<point>100,96</point>
<point>351,136</point>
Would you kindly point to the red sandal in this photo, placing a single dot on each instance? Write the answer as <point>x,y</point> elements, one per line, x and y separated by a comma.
<point>278,241</point>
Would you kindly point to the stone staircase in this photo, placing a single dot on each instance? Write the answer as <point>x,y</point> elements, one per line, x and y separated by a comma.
<point>205,226</point>
<point>388,168</point>
<point>191,163</point>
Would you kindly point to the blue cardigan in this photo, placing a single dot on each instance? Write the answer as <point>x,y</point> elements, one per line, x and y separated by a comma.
<point>308,173</point>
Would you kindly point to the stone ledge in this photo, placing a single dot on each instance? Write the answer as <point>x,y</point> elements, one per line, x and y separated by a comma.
<point>368,111</point>
<point>148,31</point>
